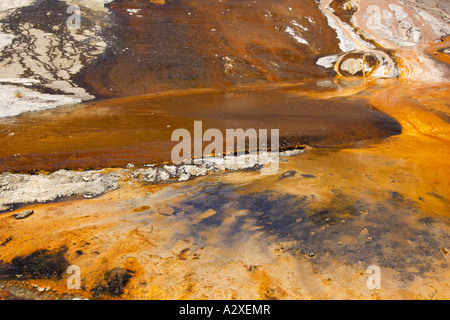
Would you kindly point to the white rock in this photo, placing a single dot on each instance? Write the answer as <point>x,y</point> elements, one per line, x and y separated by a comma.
<point>327,62</point>
<point>184,177</point>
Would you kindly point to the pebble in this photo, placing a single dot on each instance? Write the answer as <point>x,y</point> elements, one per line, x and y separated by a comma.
<point>23,214</point>
<point>4,207</point>
<point>184,177</point>
<point>290,173</point>
<point>88,195</point>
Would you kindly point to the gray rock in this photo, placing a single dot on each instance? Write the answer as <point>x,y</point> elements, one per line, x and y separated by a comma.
<point>23,214</point>
<point>290,173</point>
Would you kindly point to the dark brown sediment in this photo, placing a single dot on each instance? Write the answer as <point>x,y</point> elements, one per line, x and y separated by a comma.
<point>188,44</point>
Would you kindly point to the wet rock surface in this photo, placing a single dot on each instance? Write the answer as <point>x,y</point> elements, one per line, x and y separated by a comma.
<point>40,54</point>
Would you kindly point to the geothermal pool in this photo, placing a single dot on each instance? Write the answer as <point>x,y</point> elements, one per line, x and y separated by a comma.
<point>359,88</point>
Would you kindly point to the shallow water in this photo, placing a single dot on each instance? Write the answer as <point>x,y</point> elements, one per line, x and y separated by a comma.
<point>138,130</point>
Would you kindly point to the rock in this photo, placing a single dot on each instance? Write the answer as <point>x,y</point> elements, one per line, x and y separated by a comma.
<point>23,214</point>
<point>290,173</point>
<point>148,175</point>
<point>377,64</point>
<point>327,62</point>
<point>162,175</point>
<point>184,177</point>
<point>195,171</point>
<point>291,153</point>
<point>88,195</point>
<point>352,66</point>
<point>172,170</point>
<point>22,188</point>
